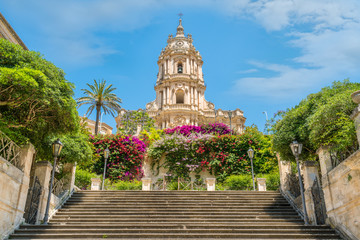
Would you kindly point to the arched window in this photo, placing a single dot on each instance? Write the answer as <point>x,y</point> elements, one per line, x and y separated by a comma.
<point>180,97</point>
<point>180,68</point>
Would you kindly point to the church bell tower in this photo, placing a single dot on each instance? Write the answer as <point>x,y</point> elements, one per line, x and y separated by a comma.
<point>180,89</point>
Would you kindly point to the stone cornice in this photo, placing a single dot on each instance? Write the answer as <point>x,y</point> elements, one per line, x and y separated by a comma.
<point>7,28</point>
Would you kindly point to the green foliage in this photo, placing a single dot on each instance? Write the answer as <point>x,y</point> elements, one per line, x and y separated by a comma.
<point>132,119</point>
<point>36,104</point>
<point>151,135</point>
<point>220,155</point>
<point>100,97</point>
<point>123,185</point>
<point>77,148</point>
<point>322,119</point>
<point>239,182</point>
<point>272,180</point>
<point>83,179</point>
<point>35,98</point>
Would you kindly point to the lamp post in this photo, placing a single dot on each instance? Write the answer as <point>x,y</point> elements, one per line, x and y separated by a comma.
<point>106,155</point>
<point>230,115</point>
<point>215,115</point>
<point>251,156</point>
<point>56,149</point>
<point>266,124</point>
<point>296,150</point>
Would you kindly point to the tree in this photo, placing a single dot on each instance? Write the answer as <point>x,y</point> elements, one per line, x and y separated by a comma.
<point>35,98</point>
<point>322,119</point>
<point>132,119</point>
<point>37,105</point>
<point>100,97</point>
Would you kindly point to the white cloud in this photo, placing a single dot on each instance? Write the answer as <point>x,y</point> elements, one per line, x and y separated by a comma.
<point>330,48</point>
<point>251,70</point>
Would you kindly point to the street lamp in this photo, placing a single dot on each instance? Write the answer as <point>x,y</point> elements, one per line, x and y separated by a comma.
<point>296,150</point>
<point>251,156</point>
<point>266,124</point>
<point>56,149</point>
<point>215,115</point>
<point>106,155</point>
<point>230,115</point>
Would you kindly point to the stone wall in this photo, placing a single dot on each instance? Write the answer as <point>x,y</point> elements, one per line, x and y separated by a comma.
<point>14,185</point>
<point>341,187</point>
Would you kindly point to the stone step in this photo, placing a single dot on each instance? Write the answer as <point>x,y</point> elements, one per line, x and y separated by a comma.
<point>262,222</point>
<point>177,196</point>
<point>176,215</point>
<point>98,230</point>
<point>162,235</point>
<point>176,192</point>
<point>177,204</point>
<point>174,200</point>
<point>173,211</point>
<point>184,225</point>
<point>176,220</point>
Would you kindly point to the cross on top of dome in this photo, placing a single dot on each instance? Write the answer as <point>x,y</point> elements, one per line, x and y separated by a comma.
<point>180,28</point>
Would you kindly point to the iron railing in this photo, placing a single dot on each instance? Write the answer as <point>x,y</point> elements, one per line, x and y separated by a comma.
<point>10,151</point>
<point>338,156</point>
<point>59,186</point>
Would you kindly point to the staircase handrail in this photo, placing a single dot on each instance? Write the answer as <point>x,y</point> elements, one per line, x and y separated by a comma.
<point>290,198</point>
<point>63,199</point>
<point>10,151</point>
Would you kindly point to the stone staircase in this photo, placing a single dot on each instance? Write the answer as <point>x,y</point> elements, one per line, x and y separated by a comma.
<point>175,215</point>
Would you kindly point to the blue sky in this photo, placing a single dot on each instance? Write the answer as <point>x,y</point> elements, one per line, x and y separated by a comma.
<point>258,55</point>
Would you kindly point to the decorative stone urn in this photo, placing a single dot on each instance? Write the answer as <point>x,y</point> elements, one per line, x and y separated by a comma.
<point>356,97</point>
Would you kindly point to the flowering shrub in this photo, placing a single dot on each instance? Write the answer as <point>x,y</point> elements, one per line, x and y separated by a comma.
<point>125,158</point>
<point>221,155</point>
<point>210,128</point>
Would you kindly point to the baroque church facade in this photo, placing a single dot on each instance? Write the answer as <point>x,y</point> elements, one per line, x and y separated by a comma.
<point>180,89</point>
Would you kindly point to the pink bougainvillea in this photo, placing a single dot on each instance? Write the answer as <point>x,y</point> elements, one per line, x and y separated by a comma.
<point>210,128</point>
<point>125,159</point>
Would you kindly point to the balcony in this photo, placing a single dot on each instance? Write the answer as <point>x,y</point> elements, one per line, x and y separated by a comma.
<point>178,106</point>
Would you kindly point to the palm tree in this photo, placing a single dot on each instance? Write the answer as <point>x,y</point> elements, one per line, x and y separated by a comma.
<point>100,96</point>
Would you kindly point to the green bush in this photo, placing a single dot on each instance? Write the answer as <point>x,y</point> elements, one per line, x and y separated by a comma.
<point>123,185</point>
<point>83,179</point>
<point>221,186</point>
<point>239,182</point>
<point>272,181</point>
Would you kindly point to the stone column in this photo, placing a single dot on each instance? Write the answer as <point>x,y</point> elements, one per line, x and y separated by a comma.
<point>168,95</point>
<point>69,169</point>
<point>146,184</point>
<point>43,173</point>
<point>325,160</point>
<point>26,158</point>
<point>355,116</point>
<point>261,184</point>
<point>187,69</point>
<point>195,97</point>
<point>310,173</point>
<point>164,97</point>
<point>284,170</point>
<point>210,184</point>
<point>95,184</point>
